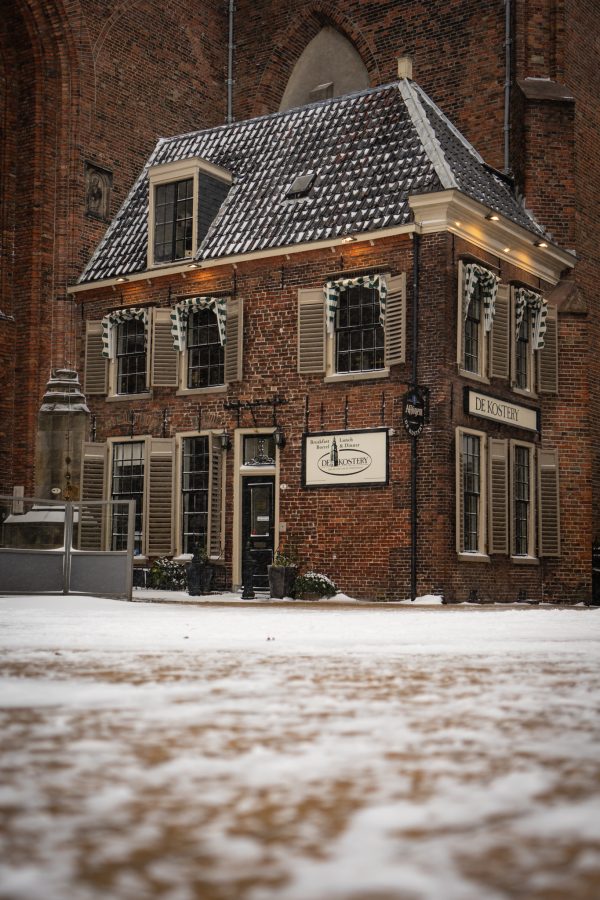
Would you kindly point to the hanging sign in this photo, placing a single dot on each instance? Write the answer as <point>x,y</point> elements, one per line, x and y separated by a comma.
<point>345,458</point>
<point>414,410</point>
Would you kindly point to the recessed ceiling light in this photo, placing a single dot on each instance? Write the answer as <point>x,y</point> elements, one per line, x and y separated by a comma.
<point>122,279</point>
<point>493,217</point>
<point>348,240</point>
<point>540,244</point>
<point>506,249</point>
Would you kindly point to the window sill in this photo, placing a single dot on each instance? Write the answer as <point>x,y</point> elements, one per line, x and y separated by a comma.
<point>474,557</point>
<point>357,376</point>
<point>115,398</point>
<point>213,389</point>
<point>525,560</point>
<point>472,376</point>
<point>523,392</point>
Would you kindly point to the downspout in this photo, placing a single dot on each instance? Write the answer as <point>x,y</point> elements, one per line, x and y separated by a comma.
<point>413,447</point>
<point>230,64</point>
<point>507,82</point>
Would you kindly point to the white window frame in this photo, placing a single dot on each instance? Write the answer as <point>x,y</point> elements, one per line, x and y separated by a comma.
<point>482,373</point>
<point>532,355</point>
<point>209,433</point>
<point>113,369</point>
<point>332,376</point>
<point>183,374</point>
<point>136,439</point>
<point>166,173</point>
<point>530,556</point>
<point>479,555</point>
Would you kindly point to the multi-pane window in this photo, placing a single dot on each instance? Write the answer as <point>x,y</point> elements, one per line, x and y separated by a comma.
<point>471,490</point>
<point>194,489</point>
<point>522,351</point>
<point>127,484</point>
<point>522,500</point>
<point>173,220</point>
<point>205,357</point>
<point>472,342</point>
<point>131,357</point>
<point>359,337</point>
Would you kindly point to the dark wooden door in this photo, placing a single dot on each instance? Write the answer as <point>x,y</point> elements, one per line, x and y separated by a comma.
<point>258,525</point>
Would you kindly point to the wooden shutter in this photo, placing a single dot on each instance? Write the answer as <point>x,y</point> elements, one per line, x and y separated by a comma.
<point>460,328</point>
<point>95,379</point>
<point>548,356</point>
<point>311,331</point>
<point>165,360</point>
<point>235,341</point>
<point>159,517</point>
<point>395,321</point>
<point>500,336</point>
<point>498,499</point>
<point>549,505</point>
<point>460,499</point>
<point>215,496</point>
<point>92,519</point>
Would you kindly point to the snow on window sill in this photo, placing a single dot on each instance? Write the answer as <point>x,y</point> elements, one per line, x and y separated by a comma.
<point>464,556</point>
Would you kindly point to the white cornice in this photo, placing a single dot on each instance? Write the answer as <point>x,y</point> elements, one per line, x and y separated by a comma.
<point>458,214</point>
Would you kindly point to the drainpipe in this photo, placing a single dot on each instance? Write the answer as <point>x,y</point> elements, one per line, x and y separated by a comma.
<point>413,446</point>
<point>507,82</point>
<point>230,64</point>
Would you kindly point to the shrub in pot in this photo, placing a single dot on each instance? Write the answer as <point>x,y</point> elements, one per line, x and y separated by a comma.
<point>313,586</point>
<point>166,575</point>
<point>282,575</point>
<point>200,573</point>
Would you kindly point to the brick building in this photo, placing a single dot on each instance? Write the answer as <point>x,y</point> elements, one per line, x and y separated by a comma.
<point>86,79</point>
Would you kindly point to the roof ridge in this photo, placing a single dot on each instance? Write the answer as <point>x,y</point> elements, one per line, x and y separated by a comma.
<point>427,135</point>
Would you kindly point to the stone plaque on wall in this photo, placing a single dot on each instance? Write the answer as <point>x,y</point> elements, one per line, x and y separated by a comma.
<point>98,184</point>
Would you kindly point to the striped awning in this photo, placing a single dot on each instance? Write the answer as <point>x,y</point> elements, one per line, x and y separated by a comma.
<point>539,313</point>
<point>182,310</point>
<point>333,289</point>
<point>476,275</point>
<point>115,318</point>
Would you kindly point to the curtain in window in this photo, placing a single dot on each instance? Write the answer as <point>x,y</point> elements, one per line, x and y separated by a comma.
<point>539,314</point>
<point>333,289</point>
<point>479,275</point>
<point>182,311</point>
<point>115,318</point>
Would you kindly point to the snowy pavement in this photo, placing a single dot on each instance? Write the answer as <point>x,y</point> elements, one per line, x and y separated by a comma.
<point>202,752</point>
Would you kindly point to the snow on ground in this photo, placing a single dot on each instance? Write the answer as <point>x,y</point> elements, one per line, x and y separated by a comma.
<point>297,753</point>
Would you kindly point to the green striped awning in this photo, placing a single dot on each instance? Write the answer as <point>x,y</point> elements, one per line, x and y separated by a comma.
<point>115,318</point>
<point>333,289</point>
<point>182,310</point>
<point>476,275</point>
<point>539,314</point>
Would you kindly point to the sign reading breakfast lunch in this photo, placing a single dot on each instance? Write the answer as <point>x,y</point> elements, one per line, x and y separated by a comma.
<point>487,407</point>
<point>339,458</point>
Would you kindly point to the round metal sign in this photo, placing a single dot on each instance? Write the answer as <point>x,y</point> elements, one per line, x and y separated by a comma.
<point>413,412</point>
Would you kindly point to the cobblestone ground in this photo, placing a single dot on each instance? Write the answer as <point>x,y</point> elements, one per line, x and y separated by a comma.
<point>298,754</point>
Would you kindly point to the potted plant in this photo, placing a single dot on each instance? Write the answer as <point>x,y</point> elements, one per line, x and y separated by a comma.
<point>282,574</point>
<point>200,572</point>
<point>166,575</point>
<point>313,586</point>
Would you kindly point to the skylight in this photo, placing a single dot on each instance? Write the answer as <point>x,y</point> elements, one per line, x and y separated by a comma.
<point>301,186</point>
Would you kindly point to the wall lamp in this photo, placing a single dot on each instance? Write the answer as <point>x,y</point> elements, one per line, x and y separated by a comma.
<point>279,437</point>
<point>225,440</point>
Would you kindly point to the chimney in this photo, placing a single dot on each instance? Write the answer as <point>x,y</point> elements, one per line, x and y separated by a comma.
<point>405,67</point>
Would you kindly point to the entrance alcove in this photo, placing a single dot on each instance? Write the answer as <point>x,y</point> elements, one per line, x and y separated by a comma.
<point>329,66</point>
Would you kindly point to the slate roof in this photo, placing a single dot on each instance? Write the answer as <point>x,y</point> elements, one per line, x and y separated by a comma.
<point>370,150</point>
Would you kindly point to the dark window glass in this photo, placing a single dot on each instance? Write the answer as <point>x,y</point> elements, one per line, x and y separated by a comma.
<point>127,484</point>
<point>259,450</point>
<point>131,357</point>
<point>471,488</point>
<point>522,360</point>
<point>173,220</point>
<point>521,501</point>
<point>359,335</point>
<point>206,357</point>
<point>194,488</point>
<point>472,332</point>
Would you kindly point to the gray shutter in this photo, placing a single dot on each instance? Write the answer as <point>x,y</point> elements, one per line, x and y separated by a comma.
<point>311,331</point>
<point>95,379</point>
<point>91,528</point>
<point>235,341</point>
<point>498,499</point>
<point>460,329</point>
<point>549,505</point>
<point>500,337</point>
<point>548,356</point>
<point>460,498</point>
<point>160,498</point>
<point>215,497</point>
<point>395,321</point>
<point>165,359</point>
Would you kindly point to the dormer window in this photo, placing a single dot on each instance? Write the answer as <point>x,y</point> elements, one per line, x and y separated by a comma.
<point>184,199</point>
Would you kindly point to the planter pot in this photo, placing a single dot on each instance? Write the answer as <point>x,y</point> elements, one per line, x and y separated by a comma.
<point>309,596</point>
<point>200,576</point>
<point>281,581</point>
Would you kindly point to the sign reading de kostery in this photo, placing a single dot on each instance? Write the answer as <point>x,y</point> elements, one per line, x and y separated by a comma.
<point>478,404</point>
<point>338,458</point>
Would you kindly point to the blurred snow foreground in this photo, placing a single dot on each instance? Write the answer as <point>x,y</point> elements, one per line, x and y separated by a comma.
<point>227,753</point>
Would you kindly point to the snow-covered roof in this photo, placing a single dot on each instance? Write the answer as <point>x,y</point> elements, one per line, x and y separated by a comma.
<point>369,151</point>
